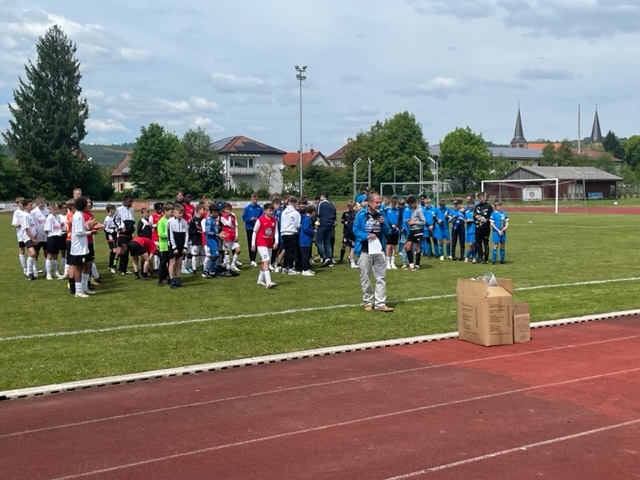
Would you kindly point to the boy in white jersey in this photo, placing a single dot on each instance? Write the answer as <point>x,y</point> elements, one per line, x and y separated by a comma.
<point>15,222</point>
<point>79,252</point>
<point>53,229</point>
<point>27,238</point>
<point>39,214</point>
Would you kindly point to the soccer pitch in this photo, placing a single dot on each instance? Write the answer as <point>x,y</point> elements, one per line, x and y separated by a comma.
<point>563,265</point>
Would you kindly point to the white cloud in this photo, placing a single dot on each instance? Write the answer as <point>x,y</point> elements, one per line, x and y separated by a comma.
<point>208,124</point>
<point>134,54</point>
<point>200,103</point>
<point>107,125</point>
<point>231,83</point>
<point>258,128</point>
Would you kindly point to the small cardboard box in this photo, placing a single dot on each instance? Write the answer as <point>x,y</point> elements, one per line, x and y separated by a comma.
<point>485,313</point>
<point>521,322</point>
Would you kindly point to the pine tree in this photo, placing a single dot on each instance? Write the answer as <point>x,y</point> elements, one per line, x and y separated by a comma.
<point>49,118</point>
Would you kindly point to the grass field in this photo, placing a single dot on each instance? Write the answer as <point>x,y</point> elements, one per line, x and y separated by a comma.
<point>563,265</point>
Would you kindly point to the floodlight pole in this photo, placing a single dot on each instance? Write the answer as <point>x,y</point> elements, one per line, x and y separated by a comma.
<point>436,180</point>
<point>301,76</point>
<point>421,174</point>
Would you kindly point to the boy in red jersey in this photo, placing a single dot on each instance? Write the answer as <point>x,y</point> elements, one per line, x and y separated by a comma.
<point>143,248</point>
<point>264,240</point>
<point>230,237</point>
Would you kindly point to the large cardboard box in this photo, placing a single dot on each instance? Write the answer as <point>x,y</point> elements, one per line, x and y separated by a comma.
<point>521,322</point>
<point>485,313</point>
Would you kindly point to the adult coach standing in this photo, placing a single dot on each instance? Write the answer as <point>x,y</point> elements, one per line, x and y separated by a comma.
<point>370,230</point>
<point>481,214</point>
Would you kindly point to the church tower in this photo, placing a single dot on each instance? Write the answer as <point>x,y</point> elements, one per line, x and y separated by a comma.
<point>596,133</point>
<point>518,136</point>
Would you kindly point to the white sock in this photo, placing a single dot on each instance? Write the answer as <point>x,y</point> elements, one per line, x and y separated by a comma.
<point>54,263</point>
<point>94,271</point>
<point>226,259</point>
<point>267,277</point>
<point>30,262</point>
<point>47,266</point>
<point>65,267</point>
<point>84,286</point>
<point>23,261</point>
<point>261,276</point>
<point>235,258</point>
<point>194,263</point>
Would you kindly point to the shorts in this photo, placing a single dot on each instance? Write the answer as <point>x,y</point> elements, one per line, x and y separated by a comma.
<point>40,246</point>
<point>136,249</point>
<point>229,246</point>
<point>393,238</point>
<point>90,257</point>
<point>180,253</point>
<point>442,233</point>
<point>348,241</point>
<point>112,244</point>
<point>470,237</point>
<point>76,260</point>
<point>53,244</point>
<point>264,253</point>
<point>123,240</point>
<point>62,244</point>
<point>110,236</point>
<point>415,236</point>
<point>497,238</point>
<point>197,250</point>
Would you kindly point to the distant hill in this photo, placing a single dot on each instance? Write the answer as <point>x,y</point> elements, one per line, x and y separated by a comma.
<point>103,155</point>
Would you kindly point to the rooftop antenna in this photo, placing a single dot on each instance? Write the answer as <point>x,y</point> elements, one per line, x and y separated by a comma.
<point>579,146</point>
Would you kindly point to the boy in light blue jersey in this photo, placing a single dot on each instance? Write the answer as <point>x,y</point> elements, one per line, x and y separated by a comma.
<point>442,233</point>
<point>499,221</point>
<point>470,235</point>
<point>457,229</point>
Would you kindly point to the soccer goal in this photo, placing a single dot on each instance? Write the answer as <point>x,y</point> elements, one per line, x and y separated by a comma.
<point>549,190</point>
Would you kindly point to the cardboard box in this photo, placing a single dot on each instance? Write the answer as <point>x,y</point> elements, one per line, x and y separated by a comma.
<point>485,313</point>
<point>521,322</point>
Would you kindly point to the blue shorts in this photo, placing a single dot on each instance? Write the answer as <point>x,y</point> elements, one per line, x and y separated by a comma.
<point>442,232</point>
<point>470,237</point>
<point>497,238</point>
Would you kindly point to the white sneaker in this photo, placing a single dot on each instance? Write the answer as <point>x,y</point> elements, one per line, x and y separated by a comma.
<point>308,273</point>
<point>271,285</point>
<point>293,272</point>
<point>450,257</point>
<point>254,264</point>
<point>277,269</point>
<point>272,268</point>
<point>466,260</point>
<point>393,266</point>
<point>234,268</point>
<point>89,292</point>
<point>441,258</point>
<point>261,284</point>
<point>81,295</point>
<point>354,265</point>
<point>60,277</point>
<point>238,263</point>
<point>49,277</point>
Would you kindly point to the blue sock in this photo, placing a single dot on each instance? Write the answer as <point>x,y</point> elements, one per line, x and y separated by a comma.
<point>502,254</point>
<point>494,254</point>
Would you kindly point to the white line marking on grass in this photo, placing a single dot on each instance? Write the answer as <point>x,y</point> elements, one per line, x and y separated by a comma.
<point>519,449</point>
<point>316,385</point>
<point>362,420</point>
<point>281,312</point>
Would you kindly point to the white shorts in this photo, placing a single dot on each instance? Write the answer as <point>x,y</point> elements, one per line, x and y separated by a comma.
<point>197,250</point>
<point>229,246</point>
<point>265,254</point>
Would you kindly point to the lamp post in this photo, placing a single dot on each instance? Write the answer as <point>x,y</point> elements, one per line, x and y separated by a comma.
<point>301,76</point>
<point>435,164</point>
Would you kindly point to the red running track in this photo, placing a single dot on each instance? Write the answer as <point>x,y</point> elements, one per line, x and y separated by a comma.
<point>564,406</point>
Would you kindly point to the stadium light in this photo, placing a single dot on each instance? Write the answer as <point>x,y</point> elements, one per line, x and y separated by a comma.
<point>435,175</point>
<point>301,77</point>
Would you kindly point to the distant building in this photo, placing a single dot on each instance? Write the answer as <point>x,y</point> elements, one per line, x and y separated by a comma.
<point>120,177</point>
<point>312,157</point>
<point>249,161</point>
<point>336,159</point>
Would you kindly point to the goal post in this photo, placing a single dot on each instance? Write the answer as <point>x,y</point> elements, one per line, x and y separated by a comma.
<point>530,190</point>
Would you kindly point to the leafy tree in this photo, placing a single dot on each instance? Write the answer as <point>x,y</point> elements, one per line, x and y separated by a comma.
<point>12,180</point>
<point>464,157</point>
<point>549,155</point>
<point>566,157</point>
<point>605,162</point>
<point>335,181</point>
<point>49,118</point>
<point>291,180</point>
<point>201,169</point>
<point>393,146</point>
<point>632,152</point>
<point>612,144</point>
<point>267,177</point>
<point>499,167</point>
<point>157,162</point>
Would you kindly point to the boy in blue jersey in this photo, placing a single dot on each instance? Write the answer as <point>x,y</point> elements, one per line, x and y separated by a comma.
<point>470,236</point>
<point>250,214</point>
<point>442,233</point>
<point>392,214</point>
<point>429,216</point>
<point>499,221</point>
<point>457,229</point>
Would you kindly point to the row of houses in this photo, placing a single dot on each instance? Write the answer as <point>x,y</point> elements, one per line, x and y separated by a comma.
<point>246,160</point>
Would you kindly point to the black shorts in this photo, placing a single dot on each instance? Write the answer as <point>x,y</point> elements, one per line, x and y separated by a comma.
<point>27,244</point>
<point>136,249</point>
<point>180,253</point>
<point>76,260</point>
<point>392,238</point>
<point>112,245</point>
<point>123,240</point>
<point>415,236</point>
<point>53,244</point>
<point>41,246</point>
<point>349,241</point>
<point>110,236</point>
<point>62,243</point>
<point>90,257</point>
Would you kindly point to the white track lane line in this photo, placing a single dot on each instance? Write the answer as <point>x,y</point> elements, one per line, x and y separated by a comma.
<point>346,424</point>
<point>521,448</point>
<point>312,385</point>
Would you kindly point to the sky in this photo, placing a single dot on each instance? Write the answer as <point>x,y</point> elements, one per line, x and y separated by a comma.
<point>228,66</point>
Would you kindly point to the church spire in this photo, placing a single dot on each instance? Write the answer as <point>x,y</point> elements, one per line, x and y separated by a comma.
<point>518,135</point>
<point>596,133</point>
